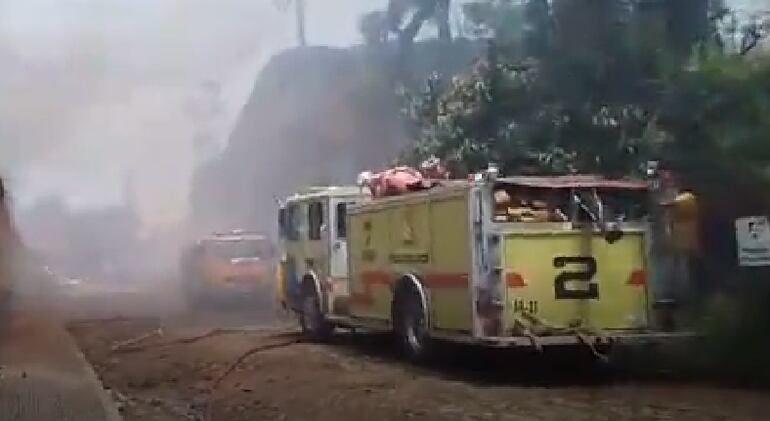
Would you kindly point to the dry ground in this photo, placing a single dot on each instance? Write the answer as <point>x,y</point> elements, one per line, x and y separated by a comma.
<point>168,377</point>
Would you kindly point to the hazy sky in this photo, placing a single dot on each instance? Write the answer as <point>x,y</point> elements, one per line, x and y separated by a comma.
<point>95,90</point>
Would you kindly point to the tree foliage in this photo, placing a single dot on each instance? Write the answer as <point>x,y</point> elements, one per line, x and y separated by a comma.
<point>597,85</point>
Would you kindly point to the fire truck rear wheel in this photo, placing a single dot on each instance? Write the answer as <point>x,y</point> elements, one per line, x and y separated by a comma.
<point>410,325</point>
<point>314,325</point>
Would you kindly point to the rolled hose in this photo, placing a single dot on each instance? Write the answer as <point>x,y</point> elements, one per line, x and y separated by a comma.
<point>534,327</point>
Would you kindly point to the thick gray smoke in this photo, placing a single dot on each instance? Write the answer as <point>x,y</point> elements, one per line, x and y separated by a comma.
<point>98,95</point>
<point>94,90</point>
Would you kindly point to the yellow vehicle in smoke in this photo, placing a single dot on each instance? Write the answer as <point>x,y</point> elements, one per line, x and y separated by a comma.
<point>227,265</point>
<point>520,261</point>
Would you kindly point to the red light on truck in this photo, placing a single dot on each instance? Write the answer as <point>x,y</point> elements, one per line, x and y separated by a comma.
<point>637,278</point>
<point>514,280</point>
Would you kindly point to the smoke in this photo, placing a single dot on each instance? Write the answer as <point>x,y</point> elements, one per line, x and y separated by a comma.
<point>109,106</point>
<point>96,110</point>
<point>96,91</point>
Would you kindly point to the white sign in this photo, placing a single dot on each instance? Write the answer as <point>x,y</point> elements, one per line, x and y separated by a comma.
<point>753,237</point>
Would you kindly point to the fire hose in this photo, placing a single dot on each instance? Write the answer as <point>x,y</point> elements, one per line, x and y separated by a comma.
<point>534,327</point>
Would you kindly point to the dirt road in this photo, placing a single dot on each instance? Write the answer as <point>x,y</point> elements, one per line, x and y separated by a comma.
<point>173,374</point>
<point>161,362</point>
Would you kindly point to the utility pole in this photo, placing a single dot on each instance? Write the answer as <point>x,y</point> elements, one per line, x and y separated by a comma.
<point>300,14</point>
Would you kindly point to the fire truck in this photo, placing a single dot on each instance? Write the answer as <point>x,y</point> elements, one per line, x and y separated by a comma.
<point>226,265</point>
<point>522,261</point>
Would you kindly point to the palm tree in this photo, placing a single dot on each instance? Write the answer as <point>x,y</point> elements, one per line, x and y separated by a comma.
<point>421,11</point>
<point>373,27</point>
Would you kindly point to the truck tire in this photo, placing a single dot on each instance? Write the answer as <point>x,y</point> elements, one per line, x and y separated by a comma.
<point>314,325</point>
<point>410,325</point>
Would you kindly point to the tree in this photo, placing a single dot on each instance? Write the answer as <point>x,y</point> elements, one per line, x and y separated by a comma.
<point>576,85</point>
<point>403,20</point>
<point>504,20</point>
<point>373,27</point>
<point>407,17</point>
<point>719,114</point>
<point>541,98</point>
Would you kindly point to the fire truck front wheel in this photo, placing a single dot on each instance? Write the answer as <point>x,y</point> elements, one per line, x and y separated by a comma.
<point>410,324</point>
<point>314,325</point>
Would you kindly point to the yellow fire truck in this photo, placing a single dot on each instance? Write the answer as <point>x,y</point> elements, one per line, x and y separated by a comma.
<point>519,261</point>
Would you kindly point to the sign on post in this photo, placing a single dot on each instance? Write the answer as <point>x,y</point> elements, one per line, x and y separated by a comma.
<point>753,238</point>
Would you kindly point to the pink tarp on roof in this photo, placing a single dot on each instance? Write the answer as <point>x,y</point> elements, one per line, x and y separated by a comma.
<point>403,179</point>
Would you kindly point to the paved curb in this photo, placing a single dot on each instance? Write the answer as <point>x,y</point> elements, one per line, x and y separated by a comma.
<point>110,409</point>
